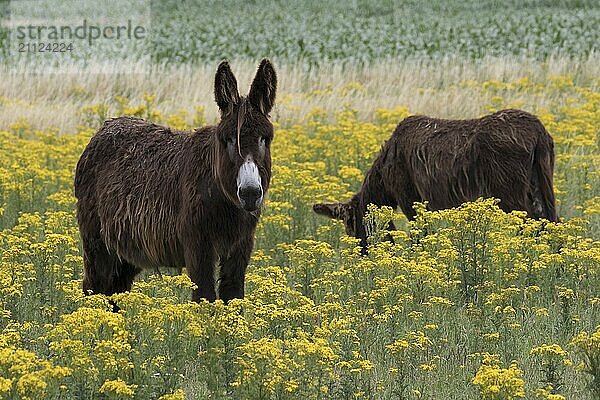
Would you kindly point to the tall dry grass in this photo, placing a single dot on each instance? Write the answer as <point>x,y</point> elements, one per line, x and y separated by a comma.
<point>428,87</point>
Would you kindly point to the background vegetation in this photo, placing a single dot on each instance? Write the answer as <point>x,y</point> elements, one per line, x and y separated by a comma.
<point>315,32</point>
<point>469,303</point>
<point>318,32</point>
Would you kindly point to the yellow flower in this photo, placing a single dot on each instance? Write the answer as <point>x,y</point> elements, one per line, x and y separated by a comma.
<point>497,383</point>
<point>176,395</point>
<point>117,389</point>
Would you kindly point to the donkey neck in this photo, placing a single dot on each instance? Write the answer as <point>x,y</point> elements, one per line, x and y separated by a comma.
<point>373,190</point>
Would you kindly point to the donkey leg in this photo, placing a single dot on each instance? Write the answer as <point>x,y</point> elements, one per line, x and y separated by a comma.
<point>122,280</point>
<point>200,264</point>
<point>233,271</point>
<point>104,273</point>
<point>406,204</point>
<point>406,197</point>
<point>390,227</point>
<point>124,276</point>
<point>99,264</point>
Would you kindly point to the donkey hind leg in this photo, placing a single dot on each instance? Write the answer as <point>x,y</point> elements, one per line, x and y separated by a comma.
<point>535,200</point>
<point>232,273</point>
<point>124,276</point>
<point>105,273</point>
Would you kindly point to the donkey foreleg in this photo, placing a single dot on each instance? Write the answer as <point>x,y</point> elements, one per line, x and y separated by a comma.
<point>200,264</point>
<point>233,271</point>
<point>388,236</point>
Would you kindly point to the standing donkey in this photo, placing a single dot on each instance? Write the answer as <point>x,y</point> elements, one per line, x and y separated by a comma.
<point>150,196</point>
<point>508,155</point>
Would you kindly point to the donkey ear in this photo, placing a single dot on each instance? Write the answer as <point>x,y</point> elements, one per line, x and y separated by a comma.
<point>226,90</point>
<point>332,210</point>
<point>264,86</point>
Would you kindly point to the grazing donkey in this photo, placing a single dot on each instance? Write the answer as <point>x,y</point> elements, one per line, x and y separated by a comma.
<point>508,155</point>
<point>150,196</point>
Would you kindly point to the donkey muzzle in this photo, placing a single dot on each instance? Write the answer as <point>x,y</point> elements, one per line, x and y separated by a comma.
<point>249,188</point>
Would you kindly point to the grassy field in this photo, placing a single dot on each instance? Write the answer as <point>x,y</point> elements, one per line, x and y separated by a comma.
<point>482,302</point>
<point>469,303</point>
<point>424,86</point>
<point>318,32</point>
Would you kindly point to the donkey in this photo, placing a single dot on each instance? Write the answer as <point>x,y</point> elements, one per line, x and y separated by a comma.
<point>508,155</point>
<point>150,196</point>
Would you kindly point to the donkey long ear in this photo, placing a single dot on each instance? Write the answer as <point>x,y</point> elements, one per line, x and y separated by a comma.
<point>226,90</point>
<point>264,86</point>
<point>332,210</point>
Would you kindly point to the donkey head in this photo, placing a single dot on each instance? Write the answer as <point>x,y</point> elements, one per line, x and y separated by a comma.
<point>348,213</point>
<point>244,135</point>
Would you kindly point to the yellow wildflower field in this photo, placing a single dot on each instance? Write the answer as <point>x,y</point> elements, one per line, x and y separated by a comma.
<point>466,303</point>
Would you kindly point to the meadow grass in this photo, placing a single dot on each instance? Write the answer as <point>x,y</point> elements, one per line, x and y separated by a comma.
<point>468,303</point>
<point>424,86</point>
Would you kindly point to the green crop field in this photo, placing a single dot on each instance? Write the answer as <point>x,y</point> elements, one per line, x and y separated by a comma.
<point>317,32</point>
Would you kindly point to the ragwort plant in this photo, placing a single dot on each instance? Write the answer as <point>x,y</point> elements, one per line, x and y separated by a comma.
<point>413,319</point>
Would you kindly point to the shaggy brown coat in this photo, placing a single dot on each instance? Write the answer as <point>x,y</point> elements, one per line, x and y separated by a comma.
<point>149,196</point>
<point>508,155</point>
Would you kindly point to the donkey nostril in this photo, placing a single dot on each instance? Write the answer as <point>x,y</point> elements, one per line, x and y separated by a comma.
<point>250,197</point>
<point>250,193</point>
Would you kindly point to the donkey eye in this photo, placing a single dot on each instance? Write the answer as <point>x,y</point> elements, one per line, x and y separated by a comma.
<point>264,141</point>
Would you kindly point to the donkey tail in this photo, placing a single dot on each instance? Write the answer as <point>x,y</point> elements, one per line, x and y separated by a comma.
<point>543,169</point>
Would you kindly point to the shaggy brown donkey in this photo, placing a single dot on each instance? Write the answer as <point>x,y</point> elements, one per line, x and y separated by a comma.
<point>508,155</point>
<point>149,196</point>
